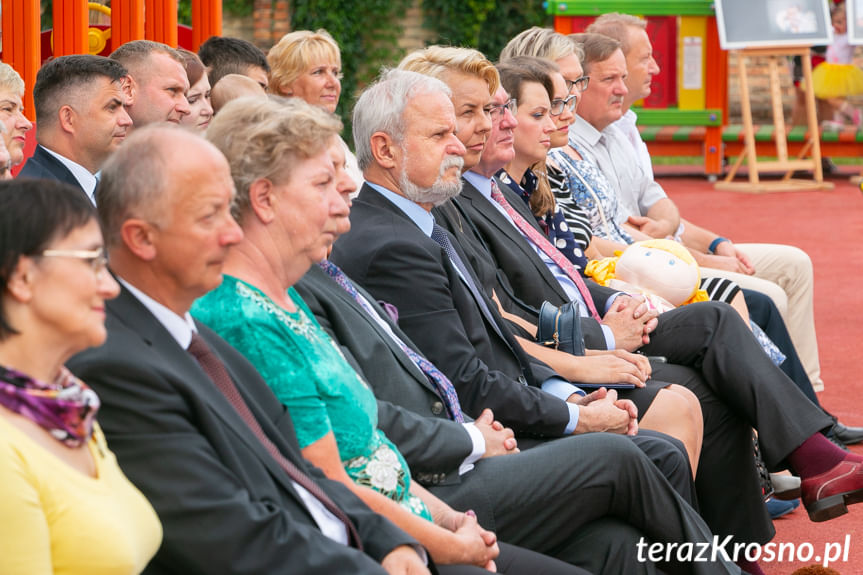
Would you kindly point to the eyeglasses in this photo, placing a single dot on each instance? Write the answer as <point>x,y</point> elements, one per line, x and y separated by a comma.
<point>580,84</point>
<point>96,258</point>
<point>558,105</point>
<point>496,111</point>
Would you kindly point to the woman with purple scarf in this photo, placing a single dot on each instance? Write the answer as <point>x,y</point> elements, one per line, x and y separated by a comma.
<point>66,506</point>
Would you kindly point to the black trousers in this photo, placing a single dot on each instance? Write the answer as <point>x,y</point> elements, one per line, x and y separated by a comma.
<point>515,561</point>
<point>546,497</point>
<point>713,353</point>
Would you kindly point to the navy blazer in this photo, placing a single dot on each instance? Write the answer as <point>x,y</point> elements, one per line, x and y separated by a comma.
<point>43,165</point>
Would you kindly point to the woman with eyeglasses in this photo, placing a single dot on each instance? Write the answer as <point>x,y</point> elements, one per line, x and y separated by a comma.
<point>66,506</point>
<point>544,111</point>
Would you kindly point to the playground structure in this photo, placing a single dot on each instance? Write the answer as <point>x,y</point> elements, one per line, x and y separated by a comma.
<point>687,113</point>
<point>25,47</point>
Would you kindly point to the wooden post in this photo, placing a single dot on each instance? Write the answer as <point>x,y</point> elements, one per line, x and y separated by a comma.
<point>127,22</point>
<point>22,47</point>
<point>71,21</point>
<point>161,22</point>
<point>206,21</point>
<point>780,135</point>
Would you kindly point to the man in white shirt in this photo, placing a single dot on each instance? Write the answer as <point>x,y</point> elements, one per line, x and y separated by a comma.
<point>81,119</point>
<point>784,273</point>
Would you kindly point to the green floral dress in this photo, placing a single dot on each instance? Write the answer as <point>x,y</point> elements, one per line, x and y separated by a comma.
<point>308,373</point>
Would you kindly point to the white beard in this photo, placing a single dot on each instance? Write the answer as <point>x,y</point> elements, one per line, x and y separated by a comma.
<point>440,191</point>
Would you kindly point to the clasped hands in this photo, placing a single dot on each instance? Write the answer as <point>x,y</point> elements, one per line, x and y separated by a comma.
<point>601,410</point>
<point>499,440</point>
<point>631,321</point>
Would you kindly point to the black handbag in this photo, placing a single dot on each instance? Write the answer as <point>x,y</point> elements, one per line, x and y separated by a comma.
<point>560,327</point>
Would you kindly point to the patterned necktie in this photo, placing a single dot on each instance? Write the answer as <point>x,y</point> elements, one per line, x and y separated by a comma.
<point>542,243</point>
<point>215,370</point>
<point>438,379</point>
<point>439,235</point>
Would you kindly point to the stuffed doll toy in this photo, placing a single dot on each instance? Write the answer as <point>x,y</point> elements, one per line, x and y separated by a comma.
<point>663,271</point>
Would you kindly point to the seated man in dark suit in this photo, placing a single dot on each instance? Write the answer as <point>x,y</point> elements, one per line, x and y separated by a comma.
<point>81,119</point>
<point>157,83</point>
<point>389,251</point>
<point>192,423</point>
<point>414,411</point>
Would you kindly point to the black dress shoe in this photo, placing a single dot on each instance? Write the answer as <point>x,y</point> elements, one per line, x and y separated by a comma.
<point>847,435</point>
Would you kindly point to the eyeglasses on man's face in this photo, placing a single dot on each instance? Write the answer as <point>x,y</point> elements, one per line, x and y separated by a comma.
<point>496,111</point>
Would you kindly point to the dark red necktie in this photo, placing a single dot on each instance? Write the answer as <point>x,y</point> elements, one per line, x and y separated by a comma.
<point>216,371</point>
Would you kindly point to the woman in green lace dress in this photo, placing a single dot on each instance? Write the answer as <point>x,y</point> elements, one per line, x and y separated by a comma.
<point>290,210</point>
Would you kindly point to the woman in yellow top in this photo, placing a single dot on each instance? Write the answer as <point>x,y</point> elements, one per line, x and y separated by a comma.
<point>65,505</point>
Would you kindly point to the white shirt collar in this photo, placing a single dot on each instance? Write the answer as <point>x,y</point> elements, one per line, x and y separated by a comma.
<point>87,180</point>
<point>180,327</point>
<point>418,215</point>
<point>582,129</point>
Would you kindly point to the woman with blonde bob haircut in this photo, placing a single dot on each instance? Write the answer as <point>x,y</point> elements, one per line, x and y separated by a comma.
<point>308,65</point>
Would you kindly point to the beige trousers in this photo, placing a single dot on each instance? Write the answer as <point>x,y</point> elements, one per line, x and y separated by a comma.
<point>784,273</point>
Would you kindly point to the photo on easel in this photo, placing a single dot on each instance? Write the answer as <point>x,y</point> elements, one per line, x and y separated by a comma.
<point>854,11</point>
<point>773,23</point>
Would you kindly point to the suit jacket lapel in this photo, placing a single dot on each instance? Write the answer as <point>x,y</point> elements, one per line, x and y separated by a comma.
<point>56,167</point>
<point>483,206</point>
<point>128,310</point>
<point>338,292</point>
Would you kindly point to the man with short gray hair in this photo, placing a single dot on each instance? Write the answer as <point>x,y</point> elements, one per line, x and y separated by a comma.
<point>404,132</point>
<point>782,272</point>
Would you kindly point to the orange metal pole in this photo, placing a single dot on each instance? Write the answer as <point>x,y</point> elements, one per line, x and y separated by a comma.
<point>71,20</point>
<point>161,22</point>
<point>716,96</point>
<point>206,21</point>
<point>22,44</point>
<point>127,21</point>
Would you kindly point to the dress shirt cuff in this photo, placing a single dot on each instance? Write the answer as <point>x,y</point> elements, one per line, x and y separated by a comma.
<point>611,299</point>
<point>609,337</point>
<point>610,344</point>
<point>478,451</point>
<point>562,389</point>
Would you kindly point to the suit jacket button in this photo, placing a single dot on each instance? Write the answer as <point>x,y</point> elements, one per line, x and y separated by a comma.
<point>437,408</point>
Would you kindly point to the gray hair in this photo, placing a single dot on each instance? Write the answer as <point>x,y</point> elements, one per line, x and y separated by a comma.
<point>134,179</point>
<point>616,25</point>
<point>264,137</point>
<point>381,108</point>
<point>541,43</point>
<point>10,79</point>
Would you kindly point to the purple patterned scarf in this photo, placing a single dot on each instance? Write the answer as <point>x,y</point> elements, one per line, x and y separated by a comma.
<point>66,407</point>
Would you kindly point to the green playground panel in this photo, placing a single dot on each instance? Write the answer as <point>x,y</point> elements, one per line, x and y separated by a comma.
<point>675,117</point>
<point>644,7</point>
